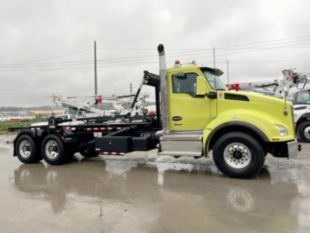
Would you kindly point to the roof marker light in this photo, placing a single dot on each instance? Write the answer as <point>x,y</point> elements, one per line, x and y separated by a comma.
<point>177,63</point>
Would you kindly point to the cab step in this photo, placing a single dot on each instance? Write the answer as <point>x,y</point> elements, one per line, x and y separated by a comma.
<point>184,143</point>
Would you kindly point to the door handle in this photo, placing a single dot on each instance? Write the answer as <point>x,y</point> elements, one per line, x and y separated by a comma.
<point>177,118</point>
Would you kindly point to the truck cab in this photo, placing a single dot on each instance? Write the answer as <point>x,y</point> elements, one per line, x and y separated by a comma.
<point>188,109</point>
<point>199,115</point>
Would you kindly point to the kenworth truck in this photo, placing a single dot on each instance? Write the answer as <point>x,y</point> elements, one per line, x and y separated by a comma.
<point>195,114</point>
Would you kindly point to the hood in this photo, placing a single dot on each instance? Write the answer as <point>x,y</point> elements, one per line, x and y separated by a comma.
<point>258,106</point>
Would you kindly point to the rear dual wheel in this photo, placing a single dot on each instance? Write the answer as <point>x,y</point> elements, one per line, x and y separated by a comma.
<point>26,149</point>
<point>54,151</point>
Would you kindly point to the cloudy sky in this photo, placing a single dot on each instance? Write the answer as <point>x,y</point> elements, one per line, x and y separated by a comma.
<point>46,46</point>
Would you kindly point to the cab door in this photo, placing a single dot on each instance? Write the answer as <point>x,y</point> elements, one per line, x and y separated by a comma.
<point>186,110</point>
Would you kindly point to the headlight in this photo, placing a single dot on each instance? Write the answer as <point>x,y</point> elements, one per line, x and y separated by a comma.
<point>282,130</point>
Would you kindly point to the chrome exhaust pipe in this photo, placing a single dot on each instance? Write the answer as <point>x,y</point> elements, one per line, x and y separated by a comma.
<point>163,87</point>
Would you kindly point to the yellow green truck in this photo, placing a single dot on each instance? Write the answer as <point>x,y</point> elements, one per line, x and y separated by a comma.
<point>195,116</point>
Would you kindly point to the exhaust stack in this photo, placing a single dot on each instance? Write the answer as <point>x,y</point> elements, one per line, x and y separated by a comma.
<point>163,87</point>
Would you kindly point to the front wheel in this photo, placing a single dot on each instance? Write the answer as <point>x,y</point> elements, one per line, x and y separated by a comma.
<point>238,155</point>
<point>303,131</point>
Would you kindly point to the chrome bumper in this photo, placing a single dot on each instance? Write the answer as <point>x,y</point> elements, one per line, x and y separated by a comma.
<point>292,149</point>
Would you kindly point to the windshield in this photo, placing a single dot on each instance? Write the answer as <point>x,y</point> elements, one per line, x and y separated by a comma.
<point>214,80</point>
<point>302,97</point>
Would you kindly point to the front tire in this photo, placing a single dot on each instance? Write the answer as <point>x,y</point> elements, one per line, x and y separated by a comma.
<point>303,131</point>
<point>53,150</point>
<point>238,155</point>
<point>26,149</point>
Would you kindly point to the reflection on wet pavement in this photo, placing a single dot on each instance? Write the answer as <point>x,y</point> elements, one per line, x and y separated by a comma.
<point>152,195</point>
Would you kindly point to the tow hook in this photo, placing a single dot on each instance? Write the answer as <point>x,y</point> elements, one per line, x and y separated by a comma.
<point>299,147</point>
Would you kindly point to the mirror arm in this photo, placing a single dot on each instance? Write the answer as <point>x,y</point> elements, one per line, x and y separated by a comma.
<point>212,95</point>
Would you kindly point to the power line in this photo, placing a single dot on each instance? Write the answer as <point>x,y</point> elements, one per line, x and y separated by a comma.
<point>126,59</point>
<point>55,56</point>
<point>120,87</point>
<point>280,40</point>
<point>85,64</point>
<point>303,39</point>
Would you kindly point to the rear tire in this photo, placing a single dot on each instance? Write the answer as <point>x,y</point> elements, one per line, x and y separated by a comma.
<point>238,155</point>
<point>26,149</point>
<point>303,131</point>
<point>53,151</point>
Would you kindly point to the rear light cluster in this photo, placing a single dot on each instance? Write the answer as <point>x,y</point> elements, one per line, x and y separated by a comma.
<point>101,129</point>
<point>152,114</point>
<point>111,153</point>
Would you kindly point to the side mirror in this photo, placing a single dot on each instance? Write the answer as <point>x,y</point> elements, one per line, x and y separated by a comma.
<point>201,86</point>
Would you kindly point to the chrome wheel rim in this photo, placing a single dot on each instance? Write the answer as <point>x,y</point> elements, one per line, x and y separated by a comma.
<point>237,155</point>
<point>52,150</point>
<point>307,132</point>
<point>25,149</point>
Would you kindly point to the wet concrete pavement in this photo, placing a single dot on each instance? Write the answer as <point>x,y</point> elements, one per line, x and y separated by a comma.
<point>143,193</point>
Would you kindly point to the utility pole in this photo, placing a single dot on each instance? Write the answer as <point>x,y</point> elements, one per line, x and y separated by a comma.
<point>95,67</point>
<point>227,66</point>
<point>213,57</point>
<point>130,88</point>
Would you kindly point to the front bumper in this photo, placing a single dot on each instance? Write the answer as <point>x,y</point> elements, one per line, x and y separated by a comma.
<point>292,149</point>
<point>287,149</point>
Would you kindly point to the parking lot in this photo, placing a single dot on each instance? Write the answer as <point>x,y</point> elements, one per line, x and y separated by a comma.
<point>143,193</point>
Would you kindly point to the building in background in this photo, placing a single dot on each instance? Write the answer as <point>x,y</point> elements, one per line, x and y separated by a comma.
<point>45,113</point>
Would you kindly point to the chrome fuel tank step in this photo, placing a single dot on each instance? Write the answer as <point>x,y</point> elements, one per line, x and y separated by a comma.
<point>184,143</point>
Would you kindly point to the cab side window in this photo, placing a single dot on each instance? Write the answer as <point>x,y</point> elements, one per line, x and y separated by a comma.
<point>184,83</point>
